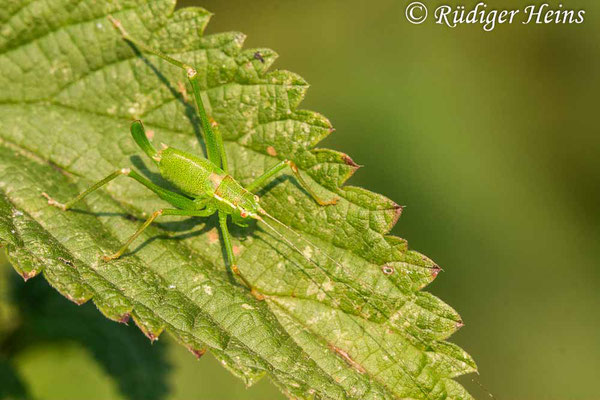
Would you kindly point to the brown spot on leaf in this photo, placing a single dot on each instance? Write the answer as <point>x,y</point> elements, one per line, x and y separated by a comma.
<point>435,271</point>
<point>236,250</point>
<point>459,324</point>
<point>259,57</point>
<point>344,355</point>
<point>66,262</point>
<point>387,269</point>
<point>271,151</point>
<point>213,236</point>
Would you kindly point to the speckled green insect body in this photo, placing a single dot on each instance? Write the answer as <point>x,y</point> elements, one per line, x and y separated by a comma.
<point>211,187</point>
<point>204,184</point>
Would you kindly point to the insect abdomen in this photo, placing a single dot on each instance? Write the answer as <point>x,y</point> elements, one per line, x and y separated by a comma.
<point>191,174</point>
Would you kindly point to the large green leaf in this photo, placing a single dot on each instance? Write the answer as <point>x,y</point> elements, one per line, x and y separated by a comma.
<point>356,328</point>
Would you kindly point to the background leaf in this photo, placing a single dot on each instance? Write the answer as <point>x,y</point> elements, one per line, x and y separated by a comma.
<point>123,354</point>
<point>361,329</point>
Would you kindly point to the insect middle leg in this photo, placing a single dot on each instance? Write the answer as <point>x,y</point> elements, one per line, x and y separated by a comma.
<point>278,167</point>
<point>231,255</point>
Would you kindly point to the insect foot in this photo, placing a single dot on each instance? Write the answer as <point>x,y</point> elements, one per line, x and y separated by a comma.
<point>296,173</point>
<point>111,257</point>
<point>53,202</point>
<point>257,295</point>
<point>117,24</point>
<point>191,72</point>
<point>329,202</point>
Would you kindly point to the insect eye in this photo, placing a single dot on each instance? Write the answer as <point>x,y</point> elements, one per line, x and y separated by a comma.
<point>243,214</point>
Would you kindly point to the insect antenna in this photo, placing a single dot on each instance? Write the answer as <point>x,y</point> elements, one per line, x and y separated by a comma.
<point>289,243</point>
<point>302,238</point>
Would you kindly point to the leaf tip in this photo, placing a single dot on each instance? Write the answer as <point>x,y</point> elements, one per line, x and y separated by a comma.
<point>349,161</point>
<point>28,275</point>
<point>124,319</point>
<point>198,353</point>
<point>397,210</point>
<point>150,334</point>
<point>153,338</point>
<point>77,300</point>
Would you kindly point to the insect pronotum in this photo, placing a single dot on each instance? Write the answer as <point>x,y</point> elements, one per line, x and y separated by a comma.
<point>204,183</point>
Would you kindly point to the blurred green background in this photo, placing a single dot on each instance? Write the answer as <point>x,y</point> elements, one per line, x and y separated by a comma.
<point>491,140</point>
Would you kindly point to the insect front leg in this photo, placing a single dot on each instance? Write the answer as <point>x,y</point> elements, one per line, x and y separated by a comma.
<point>278,167</point>
<point>231,256</point>
<point>166,211</point>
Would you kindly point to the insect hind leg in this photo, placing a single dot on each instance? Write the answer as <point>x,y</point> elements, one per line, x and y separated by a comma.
<point>173,198</point>
<point>66,206</point>
<point>212,138</point>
